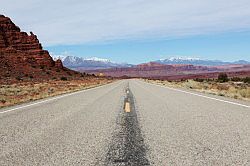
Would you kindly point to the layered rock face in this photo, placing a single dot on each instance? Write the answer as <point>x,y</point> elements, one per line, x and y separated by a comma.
<point>22,55</point>
<point>14,42</point>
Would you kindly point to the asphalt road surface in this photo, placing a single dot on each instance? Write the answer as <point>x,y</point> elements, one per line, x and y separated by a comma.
<point>128,122</point>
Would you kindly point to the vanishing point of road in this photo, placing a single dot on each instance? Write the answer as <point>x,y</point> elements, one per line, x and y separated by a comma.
<point>128,122</point>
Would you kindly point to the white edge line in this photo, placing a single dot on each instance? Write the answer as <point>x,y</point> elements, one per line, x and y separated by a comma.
<point>195,94</point>
<point>53,98</point>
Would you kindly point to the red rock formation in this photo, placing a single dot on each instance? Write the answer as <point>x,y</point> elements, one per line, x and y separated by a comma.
<point>21,55</point>
<point>59,64</point>
<point>173,72</point>
<point>150,64</point>
<point>27,46</point>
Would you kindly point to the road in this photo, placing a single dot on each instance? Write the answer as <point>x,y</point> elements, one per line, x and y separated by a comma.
<point>158,126</point>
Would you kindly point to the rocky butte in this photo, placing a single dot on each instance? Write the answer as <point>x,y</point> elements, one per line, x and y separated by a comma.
<point>22,56</point>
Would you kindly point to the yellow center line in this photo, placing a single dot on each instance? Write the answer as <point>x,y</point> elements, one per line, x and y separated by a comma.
<point>127,107</point>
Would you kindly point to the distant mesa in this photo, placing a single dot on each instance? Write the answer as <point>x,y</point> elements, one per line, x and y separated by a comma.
<point>22,56</point>
<point>178,68</point>
<point>156,70</point>
<point>149,65</point>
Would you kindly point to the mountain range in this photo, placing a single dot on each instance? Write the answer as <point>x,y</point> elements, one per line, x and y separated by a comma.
<point>80,64</point>
<point>197,61</point>
<point>94,63</point>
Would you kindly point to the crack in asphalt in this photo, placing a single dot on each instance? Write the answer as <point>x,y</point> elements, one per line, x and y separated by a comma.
<point>127,146</point>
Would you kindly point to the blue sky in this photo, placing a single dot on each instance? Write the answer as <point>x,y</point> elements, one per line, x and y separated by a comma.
<point>137,31</point>
<point>226,47</point>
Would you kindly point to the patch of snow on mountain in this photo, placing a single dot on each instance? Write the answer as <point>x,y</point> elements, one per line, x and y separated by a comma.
<point>56,57</point>
<point>98,59</point>
<point>182,59</point>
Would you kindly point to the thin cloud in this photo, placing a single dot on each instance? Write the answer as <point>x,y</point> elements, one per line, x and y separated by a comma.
<point>87,21</point>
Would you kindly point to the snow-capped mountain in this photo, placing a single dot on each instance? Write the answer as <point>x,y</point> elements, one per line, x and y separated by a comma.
<point>197,61</point>
<point>61,57</point>
<point>98,59</point>
<point>79,63</point>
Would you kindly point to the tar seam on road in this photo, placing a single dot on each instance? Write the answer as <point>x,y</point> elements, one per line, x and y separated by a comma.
<point>127,146</point>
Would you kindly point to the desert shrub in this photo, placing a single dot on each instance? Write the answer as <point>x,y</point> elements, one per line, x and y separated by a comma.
<point>199,79</point>
<point>235,96</point>
<point>221,94</point>
<point>222,87</point>
<point>192,84</point>
<point>19,78</point>
<point>31,76</point>
<point>69,74</point>
<point>57,70</point>
<point>3,101</point>
<point>64,78</point>
<point>236,79</point>
<point>48,72</point>
<point>222,77</point>
<point>245,93</point>
<point>209,80</point>
<point>246,80</point>
<point>51,90</point>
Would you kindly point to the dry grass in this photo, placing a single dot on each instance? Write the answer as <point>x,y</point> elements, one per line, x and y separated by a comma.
<point>28,91</point>
<point>237,90</point>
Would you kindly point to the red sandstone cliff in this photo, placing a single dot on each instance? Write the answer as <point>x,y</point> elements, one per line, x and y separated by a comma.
<point>21,55</point>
